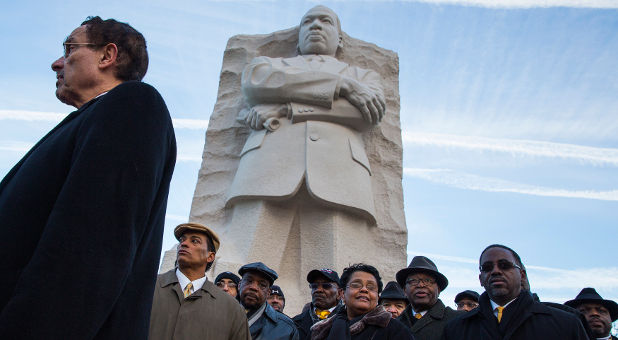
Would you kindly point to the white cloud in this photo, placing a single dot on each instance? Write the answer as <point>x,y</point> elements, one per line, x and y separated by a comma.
<point>473,182</point>
<point>528,3</point>
<point>15,146</point>
<point>33,116</point>
<point>580,153</point>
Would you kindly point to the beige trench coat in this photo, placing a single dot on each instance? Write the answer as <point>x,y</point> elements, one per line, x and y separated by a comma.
<point>209,313</point>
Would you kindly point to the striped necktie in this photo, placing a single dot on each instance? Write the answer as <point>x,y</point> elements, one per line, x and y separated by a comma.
<point>499,309</point>
<point>188,290</point>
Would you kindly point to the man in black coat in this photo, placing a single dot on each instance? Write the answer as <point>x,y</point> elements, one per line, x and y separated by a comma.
<point>506,311</point>
<point>599,313</point>
<point>426,315</point>
<point>325,300</point>
<point>265,323</point>
<point>81,215</point>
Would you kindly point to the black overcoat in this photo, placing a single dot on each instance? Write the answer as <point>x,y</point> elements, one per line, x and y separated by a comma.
<point>273,325</point>
<point>523,319</point>
<point>81,221</point>
<point>306,319</point>
<point>430,326</point>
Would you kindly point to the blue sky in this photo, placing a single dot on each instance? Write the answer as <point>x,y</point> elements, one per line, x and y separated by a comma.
<point>509,111</point>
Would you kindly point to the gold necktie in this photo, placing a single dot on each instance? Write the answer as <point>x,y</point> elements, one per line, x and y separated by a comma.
<point>188,289</point>
<point>322,314</point>
<point>418,315</point>
<point>499,309</point>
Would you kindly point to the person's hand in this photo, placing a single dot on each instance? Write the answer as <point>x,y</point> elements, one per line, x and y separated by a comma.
<point>258,114</point>
<point>370,104</point>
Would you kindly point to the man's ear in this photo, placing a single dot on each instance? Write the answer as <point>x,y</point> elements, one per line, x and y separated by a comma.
<point>481,281</point>
<point>109,56</point>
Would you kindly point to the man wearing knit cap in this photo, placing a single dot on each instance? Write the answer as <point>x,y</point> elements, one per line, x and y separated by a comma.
<point>426,315</point>
<point>264,322</point>
<point>325,300</point>
<point>228,281</point>
<point>599,313</point>
<point>276,299</point>
<point>393,299</point>
<point>467,300</point>
<point>188,306</point>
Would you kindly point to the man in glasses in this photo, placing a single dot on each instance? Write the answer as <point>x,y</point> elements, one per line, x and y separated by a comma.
<point>508,311</point>
<point>81,215</point>
<point>188,306</point>
<point>426,315</point>
<point>228,281</point>
<point>467,300</point>
<point>325,299</point>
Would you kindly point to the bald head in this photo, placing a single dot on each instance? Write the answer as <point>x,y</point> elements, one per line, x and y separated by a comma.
<point>320,32</point>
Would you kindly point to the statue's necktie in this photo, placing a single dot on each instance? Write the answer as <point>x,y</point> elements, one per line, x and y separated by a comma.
<point>499,309</point>
<point>188,289</point>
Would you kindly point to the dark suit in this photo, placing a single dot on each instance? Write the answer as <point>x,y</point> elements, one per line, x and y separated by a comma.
<point>522,319</point>
<point>431,325</point>
<point>81,221</point>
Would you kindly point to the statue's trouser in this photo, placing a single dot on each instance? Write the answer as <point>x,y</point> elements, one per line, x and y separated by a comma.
<point>293,237</point>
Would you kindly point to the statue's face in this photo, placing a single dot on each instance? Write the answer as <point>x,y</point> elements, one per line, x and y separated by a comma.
<point>319,32</point>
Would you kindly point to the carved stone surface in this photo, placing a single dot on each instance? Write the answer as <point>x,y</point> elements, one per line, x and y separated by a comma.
<point>318,240</point>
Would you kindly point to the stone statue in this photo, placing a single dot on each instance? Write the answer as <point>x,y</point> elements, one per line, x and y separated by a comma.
<point>303,191</point>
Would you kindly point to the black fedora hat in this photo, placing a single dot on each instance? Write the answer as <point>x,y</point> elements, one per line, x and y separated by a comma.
<point>392,291</point>
<point>421,264</point>
<point>590,295</point>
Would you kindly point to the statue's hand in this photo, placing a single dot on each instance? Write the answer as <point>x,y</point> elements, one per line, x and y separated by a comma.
<point>258,114</point>
<point>369,103</point>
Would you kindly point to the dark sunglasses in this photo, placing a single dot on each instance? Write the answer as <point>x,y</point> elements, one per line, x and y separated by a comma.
<point>502,265</point>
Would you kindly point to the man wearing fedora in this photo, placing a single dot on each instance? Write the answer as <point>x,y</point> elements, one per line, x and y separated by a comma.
<point>426,315</point>
<point>506,310</point>
<point>393,299</point>
<point>265,323</point>
<point>188,306</point>
<point>325,300</point>
<point>599,313</point>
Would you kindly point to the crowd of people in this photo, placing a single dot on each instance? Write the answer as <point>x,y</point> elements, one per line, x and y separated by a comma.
<point>82,219</point>
<point>357,304</point>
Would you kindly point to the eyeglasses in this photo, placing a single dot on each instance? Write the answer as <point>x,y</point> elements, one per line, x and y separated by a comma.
<point>370,286</point>
<point>502,265</point>
<point>417,282</point>
<point>467,304</point>
<point>325,285</point>
<point>70,47</point>
<point>221,284</point>
<point>262,284</point>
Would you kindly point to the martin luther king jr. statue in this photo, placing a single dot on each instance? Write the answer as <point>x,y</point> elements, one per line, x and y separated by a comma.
<point>302,196</point>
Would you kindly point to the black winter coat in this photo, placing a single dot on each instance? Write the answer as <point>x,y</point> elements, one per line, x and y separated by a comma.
<point>273,325</point>
<point>431,325</point>
<point>522,319</point>
<point>81,221</point>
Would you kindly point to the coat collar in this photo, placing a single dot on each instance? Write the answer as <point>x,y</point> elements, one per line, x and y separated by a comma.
<point>436,312</point>
<point>170,278</point>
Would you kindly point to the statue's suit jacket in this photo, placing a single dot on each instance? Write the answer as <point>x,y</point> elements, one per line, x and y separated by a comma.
<point>81,221</point>
<point>321,141</point>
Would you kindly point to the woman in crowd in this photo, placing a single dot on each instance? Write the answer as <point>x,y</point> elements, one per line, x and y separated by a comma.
<point>361,318</point>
